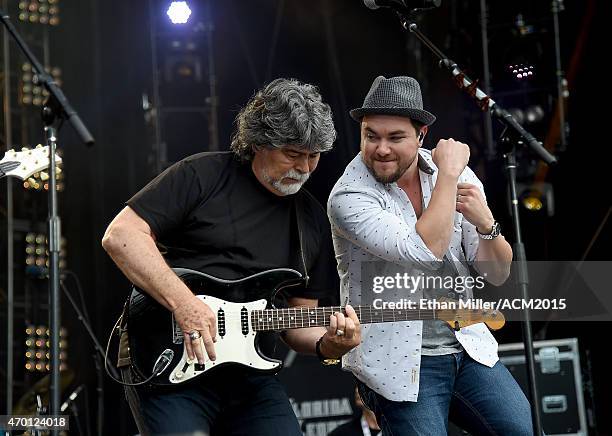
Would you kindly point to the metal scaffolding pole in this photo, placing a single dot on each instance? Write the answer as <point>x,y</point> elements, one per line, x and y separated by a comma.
<point>8,135</point>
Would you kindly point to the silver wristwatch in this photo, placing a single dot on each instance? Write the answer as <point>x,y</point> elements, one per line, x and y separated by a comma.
<point>494,233</point>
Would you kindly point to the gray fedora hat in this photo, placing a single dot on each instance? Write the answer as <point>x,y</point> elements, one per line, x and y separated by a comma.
<point>394,96</point>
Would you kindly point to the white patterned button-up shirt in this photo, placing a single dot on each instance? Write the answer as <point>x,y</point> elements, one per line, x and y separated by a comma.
<point>372,221</point>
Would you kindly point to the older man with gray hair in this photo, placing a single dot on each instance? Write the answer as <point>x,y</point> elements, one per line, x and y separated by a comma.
<point>231,215</point>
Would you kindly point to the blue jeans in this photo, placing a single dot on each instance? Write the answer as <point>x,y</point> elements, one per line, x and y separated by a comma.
<point>226,402</point>
<point>479,399</point>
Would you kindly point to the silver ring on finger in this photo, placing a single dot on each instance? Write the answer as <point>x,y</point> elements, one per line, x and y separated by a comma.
<point>339,332</point>
<point>195,335</point>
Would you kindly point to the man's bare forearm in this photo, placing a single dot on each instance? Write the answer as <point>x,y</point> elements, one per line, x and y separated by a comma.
<point>304,340</point>
<point>435,226</point>
<point>135,253</point>
<point>494,258</point>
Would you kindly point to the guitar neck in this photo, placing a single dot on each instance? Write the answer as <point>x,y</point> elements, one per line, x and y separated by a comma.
<point>301,317</point>
<point>5,167</point>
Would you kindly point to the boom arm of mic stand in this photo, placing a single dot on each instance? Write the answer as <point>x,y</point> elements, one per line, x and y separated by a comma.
<point>56,95</point>
<point>484,102</point>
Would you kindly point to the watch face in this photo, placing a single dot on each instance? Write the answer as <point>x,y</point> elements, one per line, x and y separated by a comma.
<point>496,229</point>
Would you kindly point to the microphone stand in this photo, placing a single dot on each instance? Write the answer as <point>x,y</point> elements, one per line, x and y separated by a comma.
<point>55,111</point>
<point>513,135</point>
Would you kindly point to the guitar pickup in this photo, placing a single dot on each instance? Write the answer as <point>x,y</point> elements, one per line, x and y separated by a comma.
<point>244,320</point>
<point>221,322</point>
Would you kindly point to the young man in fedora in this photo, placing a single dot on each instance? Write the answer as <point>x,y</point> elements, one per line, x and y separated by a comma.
<point>401,205</point>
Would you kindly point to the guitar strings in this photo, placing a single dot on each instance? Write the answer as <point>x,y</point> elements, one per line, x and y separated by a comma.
<point>286,318</point>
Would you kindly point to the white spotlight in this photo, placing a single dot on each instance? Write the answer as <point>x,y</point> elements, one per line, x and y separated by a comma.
<point>179,12</point>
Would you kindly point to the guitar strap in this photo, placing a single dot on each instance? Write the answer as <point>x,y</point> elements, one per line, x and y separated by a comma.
<point>298,214</point>
<point>122,331</point>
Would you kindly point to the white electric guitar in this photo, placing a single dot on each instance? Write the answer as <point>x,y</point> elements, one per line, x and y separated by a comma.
<point>27,162</point>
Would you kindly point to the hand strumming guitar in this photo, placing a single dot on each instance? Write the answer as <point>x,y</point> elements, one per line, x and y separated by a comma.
<point>193,315</point>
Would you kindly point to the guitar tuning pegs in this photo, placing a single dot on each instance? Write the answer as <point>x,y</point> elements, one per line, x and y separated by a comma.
<point>58,170</point>
<point>39,146</point>
<point>44,176</point>
<point>11,151</point>
<point>32,181</point>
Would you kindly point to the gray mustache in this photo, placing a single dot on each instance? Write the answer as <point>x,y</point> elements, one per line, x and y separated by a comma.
<point>294,174</point>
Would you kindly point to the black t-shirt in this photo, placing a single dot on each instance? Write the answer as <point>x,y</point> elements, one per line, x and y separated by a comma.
<point>210,213</point>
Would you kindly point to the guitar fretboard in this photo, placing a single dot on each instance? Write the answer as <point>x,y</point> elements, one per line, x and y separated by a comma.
<point>5,167</point>
<point>299,317</point>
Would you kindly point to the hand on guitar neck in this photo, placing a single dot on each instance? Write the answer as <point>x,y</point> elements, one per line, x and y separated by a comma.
<point>334,345</point>
<point>337,332</point>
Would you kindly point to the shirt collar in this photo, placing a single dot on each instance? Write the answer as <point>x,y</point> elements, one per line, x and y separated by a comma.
<point>423,165</point>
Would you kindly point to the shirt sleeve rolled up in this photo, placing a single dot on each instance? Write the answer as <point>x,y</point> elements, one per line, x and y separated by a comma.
<point>361,217</point>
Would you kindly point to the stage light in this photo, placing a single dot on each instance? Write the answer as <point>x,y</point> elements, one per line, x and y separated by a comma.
<point>532,115</point>
<point>38,348</point>
<point>179,12</point>
<point>31,91</point>
<point>522,27</point>
<point>39,11</point>
<point>37,258</point>
<point>522,71</point>
<point>533,202</point>
<point>538,197</point>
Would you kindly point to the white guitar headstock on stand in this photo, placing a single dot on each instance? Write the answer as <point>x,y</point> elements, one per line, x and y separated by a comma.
<point>22,164</point>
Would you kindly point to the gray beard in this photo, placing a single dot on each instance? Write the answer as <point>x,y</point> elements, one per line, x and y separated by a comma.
<point>283,188</point>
